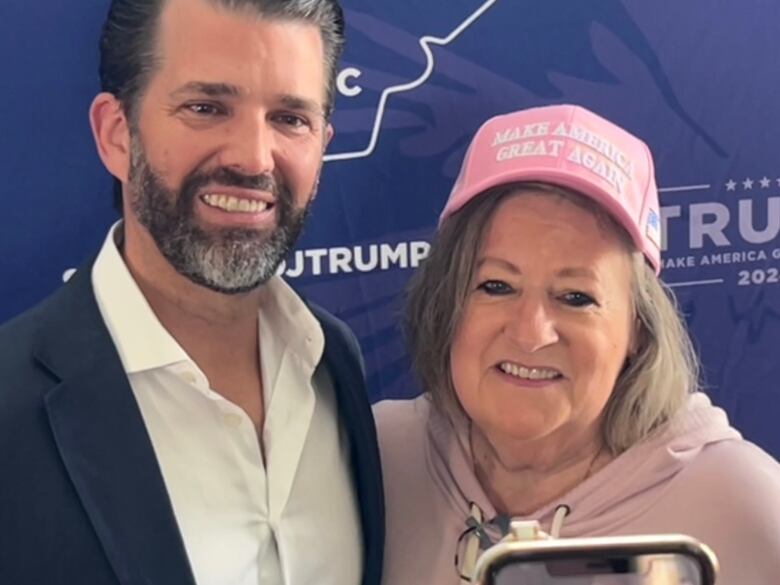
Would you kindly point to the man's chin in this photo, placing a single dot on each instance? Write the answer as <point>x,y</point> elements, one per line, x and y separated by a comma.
<point>221,235</point>
<point>228,263</point>
<point>230,290</point>
<point>229,284</point>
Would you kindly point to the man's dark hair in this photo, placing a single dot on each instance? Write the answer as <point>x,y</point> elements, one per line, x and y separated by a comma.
<point>128,45</point>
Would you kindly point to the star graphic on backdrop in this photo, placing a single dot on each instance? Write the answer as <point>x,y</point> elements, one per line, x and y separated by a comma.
<point>778,182</point>
<point>731,185</point>
<point>747,184</point>
<point>765,182</point>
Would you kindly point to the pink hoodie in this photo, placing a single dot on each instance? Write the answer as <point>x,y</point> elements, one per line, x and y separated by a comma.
<point>698,477</point>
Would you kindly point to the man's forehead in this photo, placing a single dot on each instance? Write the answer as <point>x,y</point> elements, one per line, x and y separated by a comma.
<point>190,20</point>
<point>203,41</point>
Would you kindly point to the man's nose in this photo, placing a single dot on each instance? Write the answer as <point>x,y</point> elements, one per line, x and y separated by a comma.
<point>530,325</point>
<point>250,147</point>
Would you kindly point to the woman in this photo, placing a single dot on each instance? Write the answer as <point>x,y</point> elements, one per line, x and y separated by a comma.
<point>560,383</point>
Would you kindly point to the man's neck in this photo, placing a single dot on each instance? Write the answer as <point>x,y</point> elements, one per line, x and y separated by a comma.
<point>219,332</point>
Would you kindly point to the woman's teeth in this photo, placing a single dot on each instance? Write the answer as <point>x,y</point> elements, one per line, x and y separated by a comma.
<point>528,373</point>
<point>234,204</point>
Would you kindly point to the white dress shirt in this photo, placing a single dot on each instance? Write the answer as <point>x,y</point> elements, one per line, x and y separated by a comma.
<point>292,519</point>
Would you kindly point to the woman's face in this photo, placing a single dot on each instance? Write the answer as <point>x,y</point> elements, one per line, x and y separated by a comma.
<point>547,325</point>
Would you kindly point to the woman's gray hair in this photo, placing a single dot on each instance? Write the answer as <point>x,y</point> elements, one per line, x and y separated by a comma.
<point>653,384</point>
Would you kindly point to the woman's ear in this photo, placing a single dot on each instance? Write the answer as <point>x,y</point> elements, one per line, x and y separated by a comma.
<point>111,132</point>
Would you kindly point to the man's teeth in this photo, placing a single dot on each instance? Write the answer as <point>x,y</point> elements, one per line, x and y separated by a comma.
<point>528,373</point>
<point>234,204</point>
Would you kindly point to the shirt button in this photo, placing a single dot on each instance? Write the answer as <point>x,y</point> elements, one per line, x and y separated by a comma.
<point>233,420</point>
<point>189,377</point>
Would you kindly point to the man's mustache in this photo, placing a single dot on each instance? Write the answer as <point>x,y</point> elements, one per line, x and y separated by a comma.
<point>227,177</point>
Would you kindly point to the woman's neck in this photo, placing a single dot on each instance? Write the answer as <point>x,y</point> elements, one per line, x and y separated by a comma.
<point>520,477</point>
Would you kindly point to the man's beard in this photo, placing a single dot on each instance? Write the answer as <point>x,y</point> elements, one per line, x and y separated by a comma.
<point>229,260</point>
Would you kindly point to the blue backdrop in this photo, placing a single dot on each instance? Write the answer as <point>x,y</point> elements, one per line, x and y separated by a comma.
<point>697,80</point>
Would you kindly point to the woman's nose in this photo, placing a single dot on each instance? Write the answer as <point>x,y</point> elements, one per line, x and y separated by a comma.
<point>530,325</point>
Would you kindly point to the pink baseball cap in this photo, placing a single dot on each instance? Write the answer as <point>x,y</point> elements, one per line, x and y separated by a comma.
<point>572,147</point>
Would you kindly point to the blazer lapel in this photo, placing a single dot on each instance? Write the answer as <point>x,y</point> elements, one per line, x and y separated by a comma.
<point>344,362</point>
<point>101,437</point>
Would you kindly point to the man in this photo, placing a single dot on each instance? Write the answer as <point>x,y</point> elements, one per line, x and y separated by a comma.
<point>176,414</point>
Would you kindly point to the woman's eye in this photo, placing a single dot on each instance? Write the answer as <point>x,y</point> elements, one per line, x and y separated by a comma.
<point>494,287</point>
<point>578,299</point>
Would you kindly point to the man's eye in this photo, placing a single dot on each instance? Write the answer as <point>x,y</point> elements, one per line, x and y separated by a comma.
<point>293,121</point>
<point>578,299</point>
<point>494,287</point>
<point>204,109</point>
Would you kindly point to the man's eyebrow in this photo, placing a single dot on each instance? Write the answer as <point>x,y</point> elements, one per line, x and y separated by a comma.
<point>209,89</point>
<point>301,104</point>
<point>212,89</point>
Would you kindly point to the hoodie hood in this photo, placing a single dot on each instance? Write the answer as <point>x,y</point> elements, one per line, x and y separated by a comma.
<point>613,496</point>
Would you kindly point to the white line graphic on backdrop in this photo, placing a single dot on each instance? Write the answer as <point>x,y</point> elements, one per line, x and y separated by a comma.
<point>695,283</point>
<point>425,43</point>
<point>684,188</point>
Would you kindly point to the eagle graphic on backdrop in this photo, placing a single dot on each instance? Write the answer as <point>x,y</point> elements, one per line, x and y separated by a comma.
<point>520,45</point>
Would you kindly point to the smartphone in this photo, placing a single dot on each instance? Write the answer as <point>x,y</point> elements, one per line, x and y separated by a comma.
<point>627,560</point>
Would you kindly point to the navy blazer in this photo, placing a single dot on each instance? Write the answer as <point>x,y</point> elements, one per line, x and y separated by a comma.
<point>82,498</point>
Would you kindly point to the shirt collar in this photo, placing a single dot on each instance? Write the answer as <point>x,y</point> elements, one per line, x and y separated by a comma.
<point>140,339</point>
<point>285,317</point>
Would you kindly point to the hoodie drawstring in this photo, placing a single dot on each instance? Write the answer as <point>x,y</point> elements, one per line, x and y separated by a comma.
<point>560,515</point>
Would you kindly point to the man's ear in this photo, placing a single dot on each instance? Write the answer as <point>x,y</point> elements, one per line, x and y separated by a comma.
<point>111,132</point>
<point>328,136</point>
